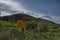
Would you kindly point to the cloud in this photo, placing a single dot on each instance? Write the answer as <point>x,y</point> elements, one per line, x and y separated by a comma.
<point>56,19</point>
<point>4,14</point>
<point>10,5</point>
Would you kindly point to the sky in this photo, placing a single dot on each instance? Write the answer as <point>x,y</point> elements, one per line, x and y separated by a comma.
<point>39,8</point>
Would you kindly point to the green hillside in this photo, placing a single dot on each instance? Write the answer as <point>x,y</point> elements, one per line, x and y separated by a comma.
<point>40,30</point>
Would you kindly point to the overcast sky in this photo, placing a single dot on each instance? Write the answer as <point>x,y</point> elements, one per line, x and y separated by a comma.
<point>38,7</point>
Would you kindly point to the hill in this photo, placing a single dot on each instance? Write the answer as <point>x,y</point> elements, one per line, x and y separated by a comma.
<point>44,30</point>
<point>16,17</point>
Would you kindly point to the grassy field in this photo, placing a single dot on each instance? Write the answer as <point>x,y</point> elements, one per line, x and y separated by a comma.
<point>44,31</point>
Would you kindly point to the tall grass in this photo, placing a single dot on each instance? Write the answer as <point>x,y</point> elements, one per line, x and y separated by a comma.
<point>9,31</point>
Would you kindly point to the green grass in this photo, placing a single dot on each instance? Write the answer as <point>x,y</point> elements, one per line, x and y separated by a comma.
<point>7,24</point>
<point>9,31</point>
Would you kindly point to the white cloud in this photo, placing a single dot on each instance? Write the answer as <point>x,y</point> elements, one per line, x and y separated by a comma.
<point>4,14</point>
<point>56,19</point>
<point>14,5</point>
<point>18,6</point>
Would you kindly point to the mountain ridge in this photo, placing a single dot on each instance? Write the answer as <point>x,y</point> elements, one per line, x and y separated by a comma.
<point>20,16</point>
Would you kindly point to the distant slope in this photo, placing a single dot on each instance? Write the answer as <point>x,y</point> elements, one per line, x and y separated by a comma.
<point>15,17</point>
